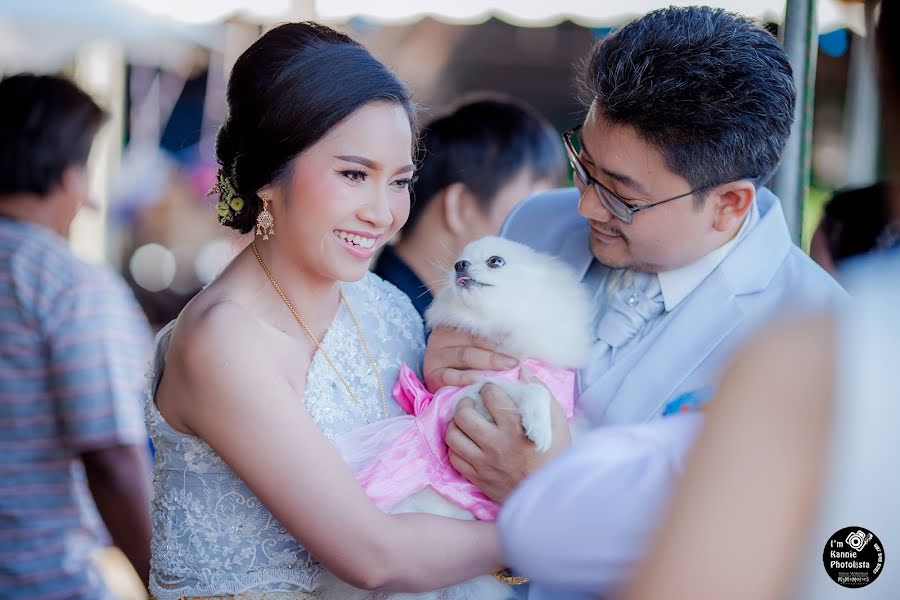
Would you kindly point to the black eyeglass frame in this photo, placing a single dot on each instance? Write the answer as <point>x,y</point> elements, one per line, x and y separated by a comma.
<point>615,204</point>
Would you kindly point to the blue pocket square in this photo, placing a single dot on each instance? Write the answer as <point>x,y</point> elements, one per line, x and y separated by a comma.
<point>687,402</point>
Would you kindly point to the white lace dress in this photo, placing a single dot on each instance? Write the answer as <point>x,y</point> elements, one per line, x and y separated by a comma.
<point>211,534</point>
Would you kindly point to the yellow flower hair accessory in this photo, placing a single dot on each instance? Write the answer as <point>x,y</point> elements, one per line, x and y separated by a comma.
<point>229,204</point>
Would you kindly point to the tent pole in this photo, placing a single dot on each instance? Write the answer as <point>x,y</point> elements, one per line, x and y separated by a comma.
<point>791,182</point>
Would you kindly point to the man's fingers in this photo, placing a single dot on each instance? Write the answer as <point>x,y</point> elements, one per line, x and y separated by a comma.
<point>460,464</point>
<point>502,408</point>
<point>460,444</point>
<point>471,423</point>
<point>464,403</point>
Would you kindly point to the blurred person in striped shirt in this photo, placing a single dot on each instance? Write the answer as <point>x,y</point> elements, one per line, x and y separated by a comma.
<point>72,359</point>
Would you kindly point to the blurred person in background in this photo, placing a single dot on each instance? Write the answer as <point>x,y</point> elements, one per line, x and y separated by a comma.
<point>801,442</point>
<point>479,159</point>
<point>686,254</point>
<point>854,222</point>
<point>72,363</point>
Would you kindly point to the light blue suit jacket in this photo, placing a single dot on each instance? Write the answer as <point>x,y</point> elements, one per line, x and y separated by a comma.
<point>765,273</point>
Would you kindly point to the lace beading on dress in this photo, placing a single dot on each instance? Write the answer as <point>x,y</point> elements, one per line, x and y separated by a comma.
<point>211,534</point>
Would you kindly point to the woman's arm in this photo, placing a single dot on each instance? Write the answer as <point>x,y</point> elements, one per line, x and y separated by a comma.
<point>253,418</point>
<point>741,516</point>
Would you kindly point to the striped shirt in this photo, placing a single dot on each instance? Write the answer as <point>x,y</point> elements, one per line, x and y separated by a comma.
<point>73,351</point>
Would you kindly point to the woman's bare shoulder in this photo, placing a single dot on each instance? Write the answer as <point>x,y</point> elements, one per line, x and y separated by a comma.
<point>215,346</point>
<point>219,314</point>
<point>212,320</point>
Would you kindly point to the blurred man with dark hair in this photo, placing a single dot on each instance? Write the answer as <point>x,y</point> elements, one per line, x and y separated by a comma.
<point>854,222</point>
<point>479,159</point>
<point>71,365</point>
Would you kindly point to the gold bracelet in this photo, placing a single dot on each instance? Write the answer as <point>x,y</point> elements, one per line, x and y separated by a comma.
<point>503,576</point>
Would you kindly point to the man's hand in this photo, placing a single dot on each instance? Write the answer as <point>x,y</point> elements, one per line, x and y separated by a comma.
<point>497,456</point>
<point>456,358</point>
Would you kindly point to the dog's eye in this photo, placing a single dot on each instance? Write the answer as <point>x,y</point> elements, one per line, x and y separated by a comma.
<point>495,262</point>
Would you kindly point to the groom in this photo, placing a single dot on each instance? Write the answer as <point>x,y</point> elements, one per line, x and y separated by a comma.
<point>685,253</point>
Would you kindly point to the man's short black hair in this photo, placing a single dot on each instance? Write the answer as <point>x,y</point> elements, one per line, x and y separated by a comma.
<point>856,221</point>
<point>484,141</point>
<point>47,124</point>
<point>711,90</point>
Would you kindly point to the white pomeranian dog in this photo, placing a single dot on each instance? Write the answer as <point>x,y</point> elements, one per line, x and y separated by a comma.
<point>532,306</point>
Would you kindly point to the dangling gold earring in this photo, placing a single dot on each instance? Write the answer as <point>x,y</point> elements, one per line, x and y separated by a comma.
<point>265,222</point>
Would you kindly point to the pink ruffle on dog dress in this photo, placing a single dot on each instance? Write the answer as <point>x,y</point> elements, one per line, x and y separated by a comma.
<point>398,457</point>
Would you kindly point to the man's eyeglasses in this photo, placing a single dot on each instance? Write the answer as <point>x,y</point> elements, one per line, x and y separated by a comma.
<point>619,207</point>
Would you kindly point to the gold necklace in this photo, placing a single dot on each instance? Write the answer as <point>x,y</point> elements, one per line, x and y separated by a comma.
<point>322,350</point>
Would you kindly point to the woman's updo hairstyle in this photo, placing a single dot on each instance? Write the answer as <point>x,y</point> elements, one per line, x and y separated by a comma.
<point>286,91</point>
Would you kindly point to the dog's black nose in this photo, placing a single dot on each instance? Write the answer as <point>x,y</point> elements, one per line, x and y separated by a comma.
<point>461,266</point>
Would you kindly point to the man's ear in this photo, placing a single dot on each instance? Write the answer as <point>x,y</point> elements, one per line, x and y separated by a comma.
<point>72,180</point>
<point>73,186</point>
<point>732,202</point>
<point>459,208</point>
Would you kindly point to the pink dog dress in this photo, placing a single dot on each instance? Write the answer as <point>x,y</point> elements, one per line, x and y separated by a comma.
<point>398,457</point>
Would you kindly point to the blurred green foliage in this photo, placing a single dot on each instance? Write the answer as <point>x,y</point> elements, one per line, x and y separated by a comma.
<point>812,213</point>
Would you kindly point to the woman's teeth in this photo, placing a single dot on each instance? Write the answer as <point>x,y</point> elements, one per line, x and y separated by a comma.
<point>356,240</point>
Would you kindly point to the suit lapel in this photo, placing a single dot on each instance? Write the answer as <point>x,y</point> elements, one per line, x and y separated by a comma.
<point>637,387</point>
<point>753,262</point>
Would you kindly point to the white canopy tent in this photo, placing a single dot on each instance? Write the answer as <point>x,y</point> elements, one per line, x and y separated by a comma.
<point>801,21</point>
<point>830,14</point>
<point>45,35</point>
<point>48,34</point>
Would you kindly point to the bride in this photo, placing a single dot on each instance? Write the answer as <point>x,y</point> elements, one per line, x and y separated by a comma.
<point>295,344</point>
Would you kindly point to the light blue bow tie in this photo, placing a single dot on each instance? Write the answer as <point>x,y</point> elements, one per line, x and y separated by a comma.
<point>629,308</point>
